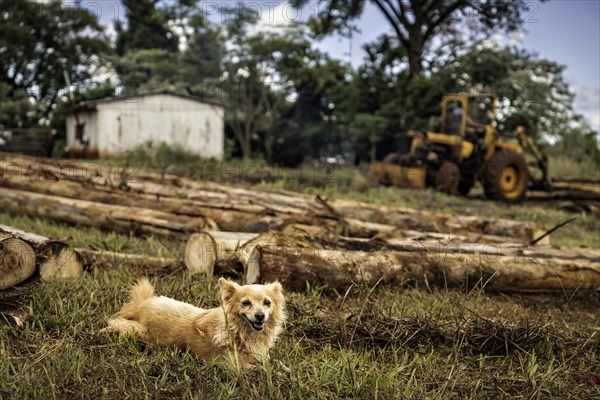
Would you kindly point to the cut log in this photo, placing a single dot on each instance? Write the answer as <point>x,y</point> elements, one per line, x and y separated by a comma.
<point>231,217</point>
<point>15,314</point>
<point>397,233</point>
<point>296,261</point>
<point>17,261</point>
<point>281,205</point>
<point>593,180</point>
<point>206,252</point>
<point>412,219</point>
<point>55,259</point>
<point>58,260</point>
<point>95,257</point>
<point>106,216</point>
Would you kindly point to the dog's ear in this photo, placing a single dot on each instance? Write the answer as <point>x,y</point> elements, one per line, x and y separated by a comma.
<point>228,288</point>
<point>275,287</point>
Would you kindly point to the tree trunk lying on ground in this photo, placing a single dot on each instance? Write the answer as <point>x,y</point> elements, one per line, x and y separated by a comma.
<point>215,252</point>
<point>14,314</point>
<point>428,221</point>
<point>593,180</point>
<point>55,259</point>
<point>17,261</point>
<point>295,261</point>
<point>99,257</point>
<point>229,217</point>
<point>241,209</point>
<point>107,216</point>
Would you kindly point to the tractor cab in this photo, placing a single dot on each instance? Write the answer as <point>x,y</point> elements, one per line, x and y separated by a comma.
<point>466,120</point>
<point>465,113</point>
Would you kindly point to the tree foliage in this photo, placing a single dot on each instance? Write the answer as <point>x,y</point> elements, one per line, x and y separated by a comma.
<point>416,23</point>
<point>532,92</point>
<point>146,28</point>
<point>286,100</point>
<point>168,46</point>
<point>38,43</point>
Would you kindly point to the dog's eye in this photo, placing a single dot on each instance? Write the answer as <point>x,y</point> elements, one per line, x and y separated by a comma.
<point>267,302</point>
<point>246,303</point>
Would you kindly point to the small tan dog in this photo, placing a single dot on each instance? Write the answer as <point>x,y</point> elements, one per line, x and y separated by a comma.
<point>243,330</point>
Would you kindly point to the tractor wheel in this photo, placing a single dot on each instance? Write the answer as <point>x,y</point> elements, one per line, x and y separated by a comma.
<point>506,177</point>
<point>447,178</point>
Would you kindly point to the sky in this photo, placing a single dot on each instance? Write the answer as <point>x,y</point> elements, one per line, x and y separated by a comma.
<point>563,31</point>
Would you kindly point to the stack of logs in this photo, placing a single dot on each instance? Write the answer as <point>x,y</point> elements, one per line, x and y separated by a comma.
<point>267,234</point>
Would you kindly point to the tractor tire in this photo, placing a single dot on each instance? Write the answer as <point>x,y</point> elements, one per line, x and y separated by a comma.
<point>506,177</point>
<point>447,178</point>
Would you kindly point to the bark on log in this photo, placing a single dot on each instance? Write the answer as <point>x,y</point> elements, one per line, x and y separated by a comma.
<point>593,180</point>
<point>93,257</point>
<point>380,217</point>
<point>287,203</point>
<point>17,261</point>
<point>407,234</point>
<point>15,314</point>
<point>55,259</point>
<point>295,261</point>
<point>106,216</point>
<point>413,219</point>
<point>230,217</point>
<point>210,252</point>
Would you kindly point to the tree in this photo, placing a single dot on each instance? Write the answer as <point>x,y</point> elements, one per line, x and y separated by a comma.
<point>146,28</point>
<point>183,52</point>
<point>532,92</point>
<point>38,43</point>
<point>246,95</point>
<point>416,22</point>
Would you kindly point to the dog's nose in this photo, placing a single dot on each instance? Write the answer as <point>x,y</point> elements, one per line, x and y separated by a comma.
<point>259,316</point>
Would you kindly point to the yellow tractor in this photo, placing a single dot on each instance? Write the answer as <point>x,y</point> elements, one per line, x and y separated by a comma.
<point>468,148</point>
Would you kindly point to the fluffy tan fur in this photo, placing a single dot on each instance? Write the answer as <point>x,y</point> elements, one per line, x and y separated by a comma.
<point>243,330</point>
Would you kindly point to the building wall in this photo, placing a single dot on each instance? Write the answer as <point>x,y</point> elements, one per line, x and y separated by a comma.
<point>91,119</point>
<point>124,125</point>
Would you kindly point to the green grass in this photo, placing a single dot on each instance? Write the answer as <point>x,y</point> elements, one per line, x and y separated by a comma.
<point>561,166</point>
<point>84,236</point>
<point>381,343</point>
<point>413,343</point>
<point>386,343</point>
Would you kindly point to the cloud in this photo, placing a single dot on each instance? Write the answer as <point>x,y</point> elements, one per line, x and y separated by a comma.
<point>587,103</point>
<point>275,16</point>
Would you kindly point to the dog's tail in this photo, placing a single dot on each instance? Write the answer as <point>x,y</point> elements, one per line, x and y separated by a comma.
<point>142,290</point>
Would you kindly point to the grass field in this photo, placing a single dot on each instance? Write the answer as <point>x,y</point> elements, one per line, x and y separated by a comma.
<point>375,343</point>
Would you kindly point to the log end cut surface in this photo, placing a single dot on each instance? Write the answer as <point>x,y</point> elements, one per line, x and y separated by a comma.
<point>17,261</point>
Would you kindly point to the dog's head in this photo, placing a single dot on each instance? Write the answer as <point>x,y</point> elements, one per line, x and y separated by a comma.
<point>258,306</point>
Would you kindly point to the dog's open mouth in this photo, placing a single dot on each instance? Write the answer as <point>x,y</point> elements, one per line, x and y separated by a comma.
<point>257,326</point>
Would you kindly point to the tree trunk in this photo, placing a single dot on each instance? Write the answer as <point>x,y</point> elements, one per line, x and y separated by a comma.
<point>14,314</point>
<point>215,252</point>
<point>55,259</point>
<point>230,217</point>
<point>17,261</point>
<point>99,257</point>
<point>428,221</point>
<point>236,209</point>
<point>295,261</point>
<point>105,216</point>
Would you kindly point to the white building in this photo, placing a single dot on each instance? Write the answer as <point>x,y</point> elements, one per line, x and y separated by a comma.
<point>112,126</point>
